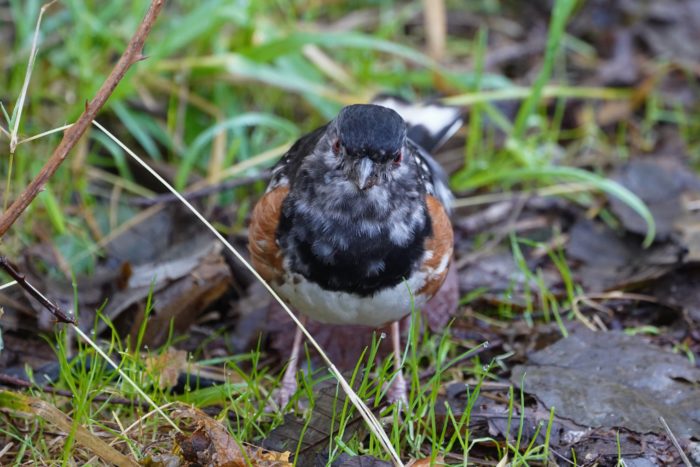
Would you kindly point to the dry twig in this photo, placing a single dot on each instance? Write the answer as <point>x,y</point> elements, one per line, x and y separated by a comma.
<point>675,442</point>
<point>12,381</point>
<point>48,412</point>
<point>206,191</point>
<point>435,27</point>
<point>31,290</point>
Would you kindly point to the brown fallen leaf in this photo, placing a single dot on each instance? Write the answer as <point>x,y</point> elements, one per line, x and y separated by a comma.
<point>608,261</point>
<point>185,287</point>
<point>211,445</point>
<point>167,366</point>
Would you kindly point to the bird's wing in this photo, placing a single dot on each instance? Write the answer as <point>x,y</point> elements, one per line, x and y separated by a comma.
<point>265,253</point>
<point>440,245</point>
<point>284,171</point>
<point>435,176</point>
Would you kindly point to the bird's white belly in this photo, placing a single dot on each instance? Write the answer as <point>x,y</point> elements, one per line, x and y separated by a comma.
<point>331,307</point>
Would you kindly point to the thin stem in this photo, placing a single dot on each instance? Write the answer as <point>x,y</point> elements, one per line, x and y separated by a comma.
<point>54,309</point>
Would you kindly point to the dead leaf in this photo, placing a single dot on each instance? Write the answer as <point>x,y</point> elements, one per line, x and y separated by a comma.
<point>622,69</point>
<point>671,28</point>
<point>211,445</point>
<point>185,288</point>
<point>609,379</point>
<point>610,261</point>
<point>312,436</point>
<point>167,366</point>
<point>680,289</point>
<point>661,182</point>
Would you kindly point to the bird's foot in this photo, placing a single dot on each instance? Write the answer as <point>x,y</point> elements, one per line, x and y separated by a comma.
<point>283,394</point>
<point>288,386</point>
<point>398,391</point>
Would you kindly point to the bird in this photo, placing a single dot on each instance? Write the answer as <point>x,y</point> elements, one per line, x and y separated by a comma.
<point>354,225</point>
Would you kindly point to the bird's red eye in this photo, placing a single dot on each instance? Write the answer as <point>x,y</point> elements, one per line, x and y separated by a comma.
<point>336,147</point>
<point>398,156</point>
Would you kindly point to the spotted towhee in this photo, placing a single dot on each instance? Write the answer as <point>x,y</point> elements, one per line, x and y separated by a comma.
<point>354,226</point>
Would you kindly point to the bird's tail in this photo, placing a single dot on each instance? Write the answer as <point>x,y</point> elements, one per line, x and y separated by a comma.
<point>430,124</point>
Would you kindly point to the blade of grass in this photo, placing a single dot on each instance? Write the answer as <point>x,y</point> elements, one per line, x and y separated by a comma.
<point>241,67</point>
<point>572,173</point>
<point>551,91</point>
<point>17,112</point>
<point>70,319</point>
<point>131,55</point>
<point>435,20</point>
<point>8,120</point>
<point>296,41</point>
<point>136,128</point>
<point>554,190</point>
<point>240,121</point>
<point>560,15</point>
<point>45,133</point>
<point>126,377</point>
<point>475,134</point>
<point>675,442</point>
<point>329,67</point>
<point>53,209</point>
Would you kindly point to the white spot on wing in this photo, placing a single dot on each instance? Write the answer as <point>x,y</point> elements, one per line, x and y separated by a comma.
<point>435,118</point>
<point>442,266</point>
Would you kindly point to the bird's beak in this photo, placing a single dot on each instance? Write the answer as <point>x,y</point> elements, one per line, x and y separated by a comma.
<point>365,176</point>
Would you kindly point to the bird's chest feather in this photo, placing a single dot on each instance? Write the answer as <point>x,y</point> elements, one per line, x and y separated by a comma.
<point>360,244</point>
<point>387,305</point>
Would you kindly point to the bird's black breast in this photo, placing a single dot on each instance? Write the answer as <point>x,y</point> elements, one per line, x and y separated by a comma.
<point>349,260</point>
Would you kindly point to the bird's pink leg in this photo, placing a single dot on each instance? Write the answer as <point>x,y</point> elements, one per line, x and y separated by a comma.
<point>398,391</point>
<point>288,385</point>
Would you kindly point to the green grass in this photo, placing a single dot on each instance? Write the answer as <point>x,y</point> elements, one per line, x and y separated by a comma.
<point>232,89</point>
<point>87,375</point>
<point>222,64</point>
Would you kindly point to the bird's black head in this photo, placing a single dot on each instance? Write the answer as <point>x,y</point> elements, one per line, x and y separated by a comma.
<point>366,130</point>
<point>371,139</point>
